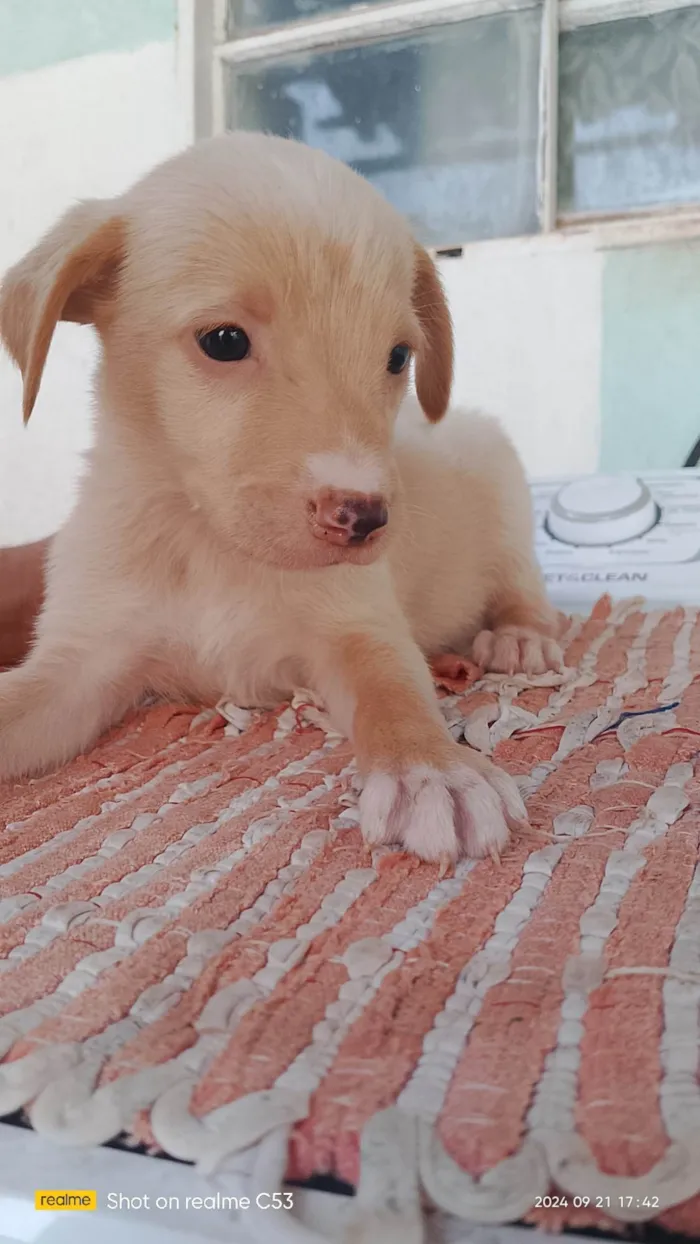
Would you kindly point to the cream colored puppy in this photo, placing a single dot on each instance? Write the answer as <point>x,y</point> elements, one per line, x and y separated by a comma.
<point>252,521</point>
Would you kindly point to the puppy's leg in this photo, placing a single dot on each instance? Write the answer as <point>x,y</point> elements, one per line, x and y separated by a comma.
<point>422,789</point>
<point>521,629</point>
<point>58,702</point>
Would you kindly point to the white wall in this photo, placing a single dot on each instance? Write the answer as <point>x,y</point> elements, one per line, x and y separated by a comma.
<point>84,128</point>
<point>527,315</point>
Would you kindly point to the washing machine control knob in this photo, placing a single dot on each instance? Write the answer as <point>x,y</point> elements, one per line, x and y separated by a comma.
<point>602,509</point>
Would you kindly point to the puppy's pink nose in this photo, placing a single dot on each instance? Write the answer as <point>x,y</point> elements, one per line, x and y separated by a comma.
<point>349,518</point>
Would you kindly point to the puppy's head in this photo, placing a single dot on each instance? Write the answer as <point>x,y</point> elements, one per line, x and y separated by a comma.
<point>259,305</point>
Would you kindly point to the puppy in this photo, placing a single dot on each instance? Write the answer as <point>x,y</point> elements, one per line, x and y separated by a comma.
<point>252,520</point>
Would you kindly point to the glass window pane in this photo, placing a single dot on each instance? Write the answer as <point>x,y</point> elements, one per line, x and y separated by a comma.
<point>250,14</point>
<point>629,132</point>
<point>443,123</point>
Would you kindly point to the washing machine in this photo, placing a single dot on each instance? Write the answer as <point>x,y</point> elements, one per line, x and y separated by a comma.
<point>630,534</point>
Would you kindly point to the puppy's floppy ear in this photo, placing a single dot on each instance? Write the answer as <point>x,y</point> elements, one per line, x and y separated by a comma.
<point>68,276</point>
<point>434,359</point>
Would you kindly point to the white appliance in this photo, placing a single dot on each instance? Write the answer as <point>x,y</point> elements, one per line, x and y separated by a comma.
<point>633,534</point>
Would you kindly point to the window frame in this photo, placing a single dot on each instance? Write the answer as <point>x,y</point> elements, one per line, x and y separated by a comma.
<point>205,52</point>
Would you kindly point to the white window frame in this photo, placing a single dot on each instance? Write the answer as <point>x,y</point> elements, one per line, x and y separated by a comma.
<point>205,52</point>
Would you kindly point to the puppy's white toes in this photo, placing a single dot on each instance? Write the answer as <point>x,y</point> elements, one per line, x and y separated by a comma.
<point>498,651</point>
<point>480,813</point>
<point>553,655</point>
<point>441,815</point>
<point>380,803</point>
<point>428,828</point>
<point>413,808</point>
<point>507,790</point>
<point>532,658</point>
<point>504,785</point>
<point>516,650</point>
<point>483,648</point>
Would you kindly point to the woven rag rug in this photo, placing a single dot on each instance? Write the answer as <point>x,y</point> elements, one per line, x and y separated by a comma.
<point>198,953</point>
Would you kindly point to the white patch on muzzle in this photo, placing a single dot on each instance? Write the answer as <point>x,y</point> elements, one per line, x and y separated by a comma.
<point>356,470</point>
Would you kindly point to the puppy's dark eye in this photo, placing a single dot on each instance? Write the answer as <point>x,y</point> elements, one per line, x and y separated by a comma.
<point>398,359</point>
<point>226,344</point>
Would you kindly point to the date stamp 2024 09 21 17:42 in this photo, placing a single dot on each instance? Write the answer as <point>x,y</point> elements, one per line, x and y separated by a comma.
<point>609,1203</point>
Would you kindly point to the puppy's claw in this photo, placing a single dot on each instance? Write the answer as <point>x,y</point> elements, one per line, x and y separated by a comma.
<point>446,867</point>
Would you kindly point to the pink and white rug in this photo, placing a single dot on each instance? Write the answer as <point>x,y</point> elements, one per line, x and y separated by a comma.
<point>197,950</point>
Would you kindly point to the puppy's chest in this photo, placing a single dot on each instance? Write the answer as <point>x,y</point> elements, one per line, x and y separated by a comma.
<point>238,642</point>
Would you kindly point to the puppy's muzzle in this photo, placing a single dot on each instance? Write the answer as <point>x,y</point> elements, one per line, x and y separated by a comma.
<point>347,518</point>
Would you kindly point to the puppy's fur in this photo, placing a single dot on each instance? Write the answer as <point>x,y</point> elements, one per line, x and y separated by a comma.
<point>201,559</point>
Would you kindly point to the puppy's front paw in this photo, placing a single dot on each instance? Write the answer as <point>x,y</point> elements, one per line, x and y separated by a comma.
<point>442,814</point>
<point>517,650</point>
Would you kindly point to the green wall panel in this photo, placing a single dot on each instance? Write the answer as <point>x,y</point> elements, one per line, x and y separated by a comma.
<point>35,33</point>
<point>650,366</point>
